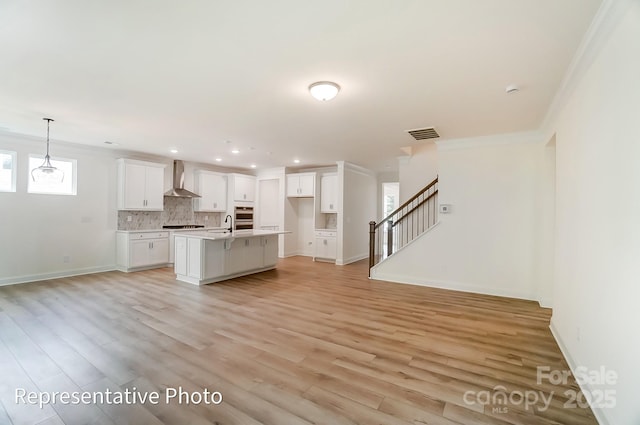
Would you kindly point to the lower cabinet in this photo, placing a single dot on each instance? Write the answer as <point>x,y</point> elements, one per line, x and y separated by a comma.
<point>202,261</point>
<point>325,246</point>
<point>270,253</point>
<point>142,250</point>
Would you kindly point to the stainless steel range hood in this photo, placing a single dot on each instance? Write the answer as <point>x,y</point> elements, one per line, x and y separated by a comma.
<point>178,190</point>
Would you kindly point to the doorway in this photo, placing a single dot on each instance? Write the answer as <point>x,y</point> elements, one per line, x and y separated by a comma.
<point>390,197</point>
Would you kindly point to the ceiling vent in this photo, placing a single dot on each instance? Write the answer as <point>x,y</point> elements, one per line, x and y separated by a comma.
<point>424,133</point>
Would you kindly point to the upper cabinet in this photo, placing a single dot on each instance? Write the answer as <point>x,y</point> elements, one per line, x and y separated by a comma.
<point>301,185</point>
<point>212,188</point>
<point>140,185</point>
<point>329,193</point>
<point>244,187</point>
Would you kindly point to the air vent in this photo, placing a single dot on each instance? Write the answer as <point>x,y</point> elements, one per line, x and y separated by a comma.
<point>424,133</point>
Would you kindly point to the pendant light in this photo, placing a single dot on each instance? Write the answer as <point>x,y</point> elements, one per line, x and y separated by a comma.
<point>47,173</point>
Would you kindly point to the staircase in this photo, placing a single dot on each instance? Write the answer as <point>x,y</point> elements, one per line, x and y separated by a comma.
<point>403,225</point>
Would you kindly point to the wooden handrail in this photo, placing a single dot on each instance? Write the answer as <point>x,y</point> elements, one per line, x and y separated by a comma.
<point>382,244</point>
<point>413,198</point>
<point>395,223</point>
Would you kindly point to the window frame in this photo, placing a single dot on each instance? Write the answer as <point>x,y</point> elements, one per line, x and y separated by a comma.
<point>40,158</point>
<point>14,170</point>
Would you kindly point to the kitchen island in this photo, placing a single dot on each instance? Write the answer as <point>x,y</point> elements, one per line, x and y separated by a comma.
<point>207,257</point>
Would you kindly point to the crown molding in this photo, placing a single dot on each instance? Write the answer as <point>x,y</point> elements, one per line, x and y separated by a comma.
<point>604,22</point>
<point>356,168</point>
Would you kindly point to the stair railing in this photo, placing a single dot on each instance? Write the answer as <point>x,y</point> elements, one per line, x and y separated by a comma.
<point>404,224</point>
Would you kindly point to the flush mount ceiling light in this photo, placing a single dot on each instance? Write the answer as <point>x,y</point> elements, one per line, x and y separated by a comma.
<point>324,90</point>
<point>47,172</point>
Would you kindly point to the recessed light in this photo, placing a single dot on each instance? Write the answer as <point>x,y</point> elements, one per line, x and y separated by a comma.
<point>218,159</point>
<point>174,151</point>
<point>253,165</point>
<point>297,161</point>
<point>227,141</point>
<point>235,151</point>
<point>251,148</point>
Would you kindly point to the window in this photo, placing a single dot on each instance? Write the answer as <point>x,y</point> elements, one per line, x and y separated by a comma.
<point>66,187</point>
<point>7,171</point>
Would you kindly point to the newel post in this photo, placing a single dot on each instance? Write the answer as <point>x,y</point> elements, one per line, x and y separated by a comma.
<point>372,243</point>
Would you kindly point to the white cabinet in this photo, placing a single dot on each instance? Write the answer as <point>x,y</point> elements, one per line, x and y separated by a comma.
<point>214,264</point>
<point>325,245</point>
<point>140,185</point>
<point>212,188</point>
<point>244,187</point>
<point>142,250</point>
<point>329,193</point>
<point>199,258</point>
<point>244,254</point>
<point>270,253</point>
<point>200,261</point>
<point>301,185</point>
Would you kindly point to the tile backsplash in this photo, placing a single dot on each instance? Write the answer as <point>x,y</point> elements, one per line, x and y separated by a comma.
<point>176,211</point>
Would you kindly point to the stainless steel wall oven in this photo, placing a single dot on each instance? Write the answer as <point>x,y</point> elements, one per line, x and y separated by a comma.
<point>243,219</point>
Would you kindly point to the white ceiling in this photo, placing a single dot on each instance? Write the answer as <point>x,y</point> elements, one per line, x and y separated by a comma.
<point>152,75</point>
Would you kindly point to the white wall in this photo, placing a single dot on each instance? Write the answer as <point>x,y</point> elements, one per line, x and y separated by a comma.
<point>388,177</point>
<point>486,243</point>
<point>597,263</point>
<point>357,204</point>
<point>544,248</point>
<point>418,170</point>
<point>37,231</point>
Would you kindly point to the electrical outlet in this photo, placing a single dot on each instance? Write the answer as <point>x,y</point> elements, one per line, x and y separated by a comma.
<point>66,259</point>
<point>129,218</point>
<point>206,218</point>
<point>578,333</point>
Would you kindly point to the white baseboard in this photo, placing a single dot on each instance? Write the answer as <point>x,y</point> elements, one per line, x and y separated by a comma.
<point>46,276</point>
<point>352,259</point>
<point>454,286</point>
<point>584,386</point>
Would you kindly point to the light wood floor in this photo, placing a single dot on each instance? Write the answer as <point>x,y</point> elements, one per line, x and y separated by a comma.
<point>309,343</point>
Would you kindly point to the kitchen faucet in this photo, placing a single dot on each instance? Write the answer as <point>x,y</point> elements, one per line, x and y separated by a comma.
<point>228,217</point>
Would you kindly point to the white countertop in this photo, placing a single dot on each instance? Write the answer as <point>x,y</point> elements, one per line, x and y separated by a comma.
<point>200,229</point>
<point>235,235</point>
